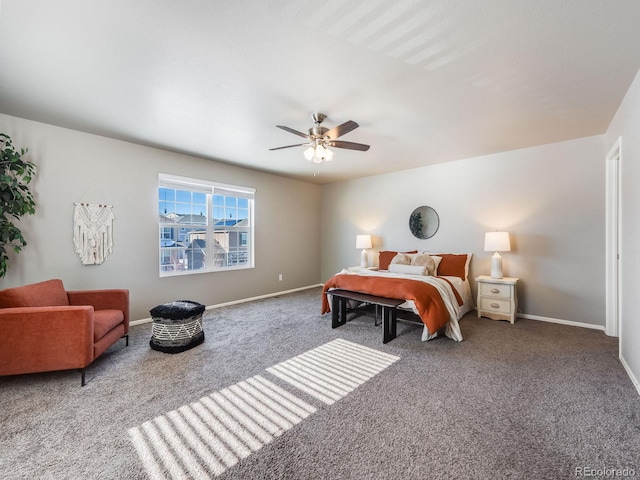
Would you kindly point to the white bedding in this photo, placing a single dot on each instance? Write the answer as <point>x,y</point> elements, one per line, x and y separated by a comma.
<point>452,328</point>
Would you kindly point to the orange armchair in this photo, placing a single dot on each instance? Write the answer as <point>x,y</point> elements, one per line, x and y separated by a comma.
<point>47,328</point>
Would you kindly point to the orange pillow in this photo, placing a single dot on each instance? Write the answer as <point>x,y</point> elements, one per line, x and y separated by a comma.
<point>452,265</point>
<point>385,257</point>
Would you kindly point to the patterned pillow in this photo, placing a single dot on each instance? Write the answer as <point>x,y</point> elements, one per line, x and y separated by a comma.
<point>426,261</point>
<point>385,257</point>
<point>401,259</point>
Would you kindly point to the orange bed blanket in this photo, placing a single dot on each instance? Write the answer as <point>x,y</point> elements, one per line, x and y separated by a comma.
<point>431,308</point>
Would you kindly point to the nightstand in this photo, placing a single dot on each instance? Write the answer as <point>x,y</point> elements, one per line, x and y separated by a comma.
<point>497,298</point>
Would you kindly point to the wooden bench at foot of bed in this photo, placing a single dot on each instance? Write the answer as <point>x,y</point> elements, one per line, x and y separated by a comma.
<point>339,299</point>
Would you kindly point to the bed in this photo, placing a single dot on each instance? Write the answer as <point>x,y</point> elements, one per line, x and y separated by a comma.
<point>435,287</point>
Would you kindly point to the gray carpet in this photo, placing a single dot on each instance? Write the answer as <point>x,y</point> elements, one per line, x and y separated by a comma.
<point>530,400</point>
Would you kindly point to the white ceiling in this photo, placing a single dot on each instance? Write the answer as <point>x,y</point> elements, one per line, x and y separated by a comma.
<point>428,81</point>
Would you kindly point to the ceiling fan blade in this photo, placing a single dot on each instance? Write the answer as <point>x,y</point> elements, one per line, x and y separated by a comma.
<point>340,130</point>
<point>288,146</point>
<point>291,130</point>
<point>350,145</point>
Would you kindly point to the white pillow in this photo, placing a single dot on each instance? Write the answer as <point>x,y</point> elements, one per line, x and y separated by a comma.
<point>437,261</point>
<point>411,269</point>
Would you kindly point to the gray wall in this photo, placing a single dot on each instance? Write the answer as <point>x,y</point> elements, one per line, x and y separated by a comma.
<point>550,198</point>
<point>78,167</point>
<point>626,124</point>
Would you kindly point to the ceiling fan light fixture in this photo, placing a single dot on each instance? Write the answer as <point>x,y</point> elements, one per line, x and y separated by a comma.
<point>328,155</point>
<point>309,153</point>
<point>319,138</point>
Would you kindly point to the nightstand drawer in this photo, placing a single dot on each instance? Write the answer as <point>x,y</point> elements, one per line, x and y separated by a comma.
<point>495,290</point>
<point>495,305</point>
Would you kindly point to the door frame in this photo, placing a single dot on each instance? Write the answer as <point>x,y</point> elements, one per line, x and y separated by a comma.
<point>612,243</point>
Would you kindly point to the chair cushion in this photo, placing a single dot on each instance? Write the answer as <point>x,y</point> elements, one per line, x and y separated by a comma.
<point>44,294</point>
<point>104,321</point>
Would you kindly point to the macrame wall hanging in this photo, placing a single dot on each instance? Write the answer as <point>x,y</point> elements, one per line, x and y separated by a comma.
<point>93,232</point>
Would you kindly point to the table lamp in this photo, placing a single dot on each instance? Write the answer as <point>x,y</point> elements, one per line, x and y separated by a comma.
<point>363,242</point>
<point>496,242</point>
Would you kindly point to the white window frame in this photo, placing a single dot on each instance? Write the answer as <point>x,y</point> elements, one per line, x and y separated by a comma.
<point>210,189</point>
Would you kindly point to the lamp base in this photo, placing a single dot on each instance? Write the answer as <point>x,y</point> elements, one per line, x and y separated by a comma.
<point>496,266</point>
<point>364,259</point>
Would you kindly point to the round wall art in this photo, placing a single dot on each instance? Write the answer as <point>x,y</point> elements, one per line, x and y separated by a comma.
<point>424,222</point>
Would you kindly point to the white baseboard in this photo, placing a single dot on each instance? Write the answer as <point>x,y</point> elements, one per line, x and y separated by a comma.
<point>561,322</point>
<point>633,378</point>
<point>236,302</point>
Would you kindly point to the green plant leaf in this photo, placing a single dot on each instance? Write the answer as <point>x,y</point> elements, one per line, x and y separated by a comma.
<point>16,200</point>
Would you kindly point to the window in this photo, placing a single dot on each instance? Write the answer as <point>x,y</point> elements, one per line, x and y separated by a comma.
<point>204,226</point>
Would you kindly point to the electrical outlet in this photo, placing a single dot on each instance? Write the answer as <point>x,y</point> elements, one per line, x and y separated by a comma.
<point>280,277</point>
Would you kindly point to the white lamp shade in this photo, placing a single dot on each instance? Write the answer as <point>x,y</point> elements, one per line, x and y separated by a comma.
<point>328,155</point>
<point>309,153</point>
<point>497,242</point>
<point>363,241</point>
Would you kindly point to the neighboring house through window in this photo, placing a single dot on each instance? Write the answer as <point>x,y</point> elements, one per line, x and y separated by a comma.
<point>204,226</point>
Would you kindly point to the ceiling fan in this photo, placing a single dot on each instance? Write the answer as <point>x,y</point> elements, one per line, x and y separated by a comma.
<point>321,138</point>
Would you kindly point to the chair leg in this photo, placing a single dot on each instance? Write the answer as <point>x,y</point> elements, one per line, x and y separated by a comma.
<point>127,337</point>
<point>82,383</point>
